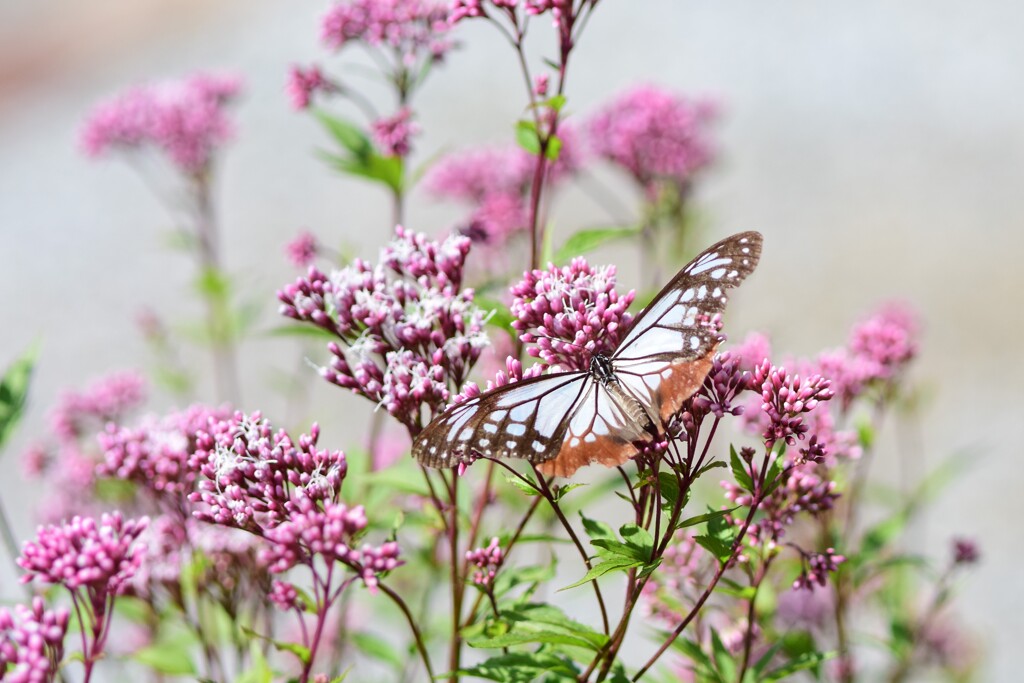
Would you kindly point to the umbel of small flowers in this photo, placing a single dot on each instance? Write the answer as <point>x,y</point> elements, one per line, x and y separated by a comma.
<point>567,315</point>
<point>94,561</point>
<point>184,121</point>
<point>408,334</point>
<point>69,463</point>
<point>31,642</point>
<point>287,492</point>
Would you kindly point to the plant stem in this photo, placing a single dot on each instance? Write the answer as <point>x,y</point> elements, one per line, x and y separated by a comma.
<point>416,634</point>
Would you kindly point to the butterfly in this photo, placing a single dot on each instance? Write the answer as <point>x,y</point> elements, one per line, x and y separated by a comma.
<point>565,420</point>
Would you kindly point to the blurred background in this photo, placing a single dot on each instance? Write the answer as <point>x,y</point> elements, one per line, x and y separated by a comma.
<point>878,146</point>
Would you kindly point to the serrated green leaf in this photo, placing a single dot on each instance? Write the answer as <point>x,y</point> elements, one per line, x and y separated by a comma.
<point>739,470</point>
<point>617,563</point>
<point>638,538</point>
<point>516,667</point>
<point>718,548</point>
<point>14,393</point>
<point>529,489</point>
<point>563,489</point>
<point>668,487</point>
<point>585,241</point>
<point>375,647</point>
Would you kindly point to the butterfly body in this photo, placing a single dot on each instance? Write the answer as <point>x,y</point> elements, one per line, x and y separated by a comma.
<point>604,414</point>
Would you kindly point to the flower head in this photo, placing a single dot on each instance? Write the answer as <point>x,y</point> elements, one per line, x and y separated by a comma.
<point>303,84</point>
<point>303,249</point>
<point>412,29</point>
<point>786,399</point>
<point>407,332</point>
<point>487,561</point>
<point>655,135</point>
<point>253,475</point>
<point>98,556</point>
<point>393,134</point>
<point>31,642</point>
<point>571,313</point>
<point>185,120</point>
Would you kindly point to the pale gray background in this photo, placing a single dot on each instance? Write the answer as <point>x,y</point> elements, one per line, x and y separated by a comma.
<point>879,146</point>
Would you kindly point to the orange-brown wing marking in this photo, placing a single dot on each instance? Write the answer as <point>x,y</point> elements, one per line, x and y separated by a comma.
<point>607,450</point>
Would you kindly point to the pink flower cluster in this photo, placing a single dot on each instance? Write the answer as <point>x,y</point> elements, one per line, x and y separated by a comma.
<point>154,454</point>
<point>331,532</point>
<point>303,84</point>
<point>571,313</point>
<point>817,567</point>
<point>655,135</point>
<point>408,333</point>
<point>495,181</point>
<point>393,134</point>
<point>185,120</point>
<point>804,489</point>
<point>252,476</point>
<point>99,557</point>
<point>487,561</point>
<point>31,642</point>
<point>786,399</point>
<point>724,382</point>
<point>303,249</point>
<point>878,351</point>
<point>412,29</point>
<point>107,399</point>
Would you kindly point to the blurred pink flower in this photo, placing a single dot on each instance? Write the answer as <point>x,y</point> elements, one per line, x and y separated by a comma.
<point>655,135</point>
<point>393,135</point>
<point>303,84</point>
<point>302,250</point>
<point>185,120</point>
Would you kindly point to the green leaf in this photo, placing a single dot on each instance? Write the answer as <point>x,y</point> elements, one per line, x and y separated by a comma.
<point>714,464</point>
<point>529,489</point>
<point>517,667</point>
<point>702,663</point>
<point>259,671</point>
<point>739,470</point>
<point>539,623</point>
<point>171,655</point>
<point>774,477</point>
<point>720,537</point>
<point>526,136</point>
<point>806,661</point>
<point>597,530</point>
<point>554,148</point>
<point>724,660</point>
<point>347,134</point>
<point>639,539</point>
<point>668,486</point>
<point>377,648</point>
<point>618,563</point>
<point>561,490</point>
<point>498,314</point>
<point>586,241</point>
<point>533,575</point>
<point>14,393</point>
<point>706,517</point>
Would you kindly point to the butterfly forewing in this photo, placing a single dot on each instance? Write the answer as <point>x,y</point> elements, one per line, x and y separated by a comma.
<point>566,420</point>
<point>666,354</point>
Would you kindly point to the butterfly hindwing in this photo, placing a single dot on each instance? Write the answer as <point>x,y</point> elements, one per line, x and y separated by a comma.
<point>526,419</point>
